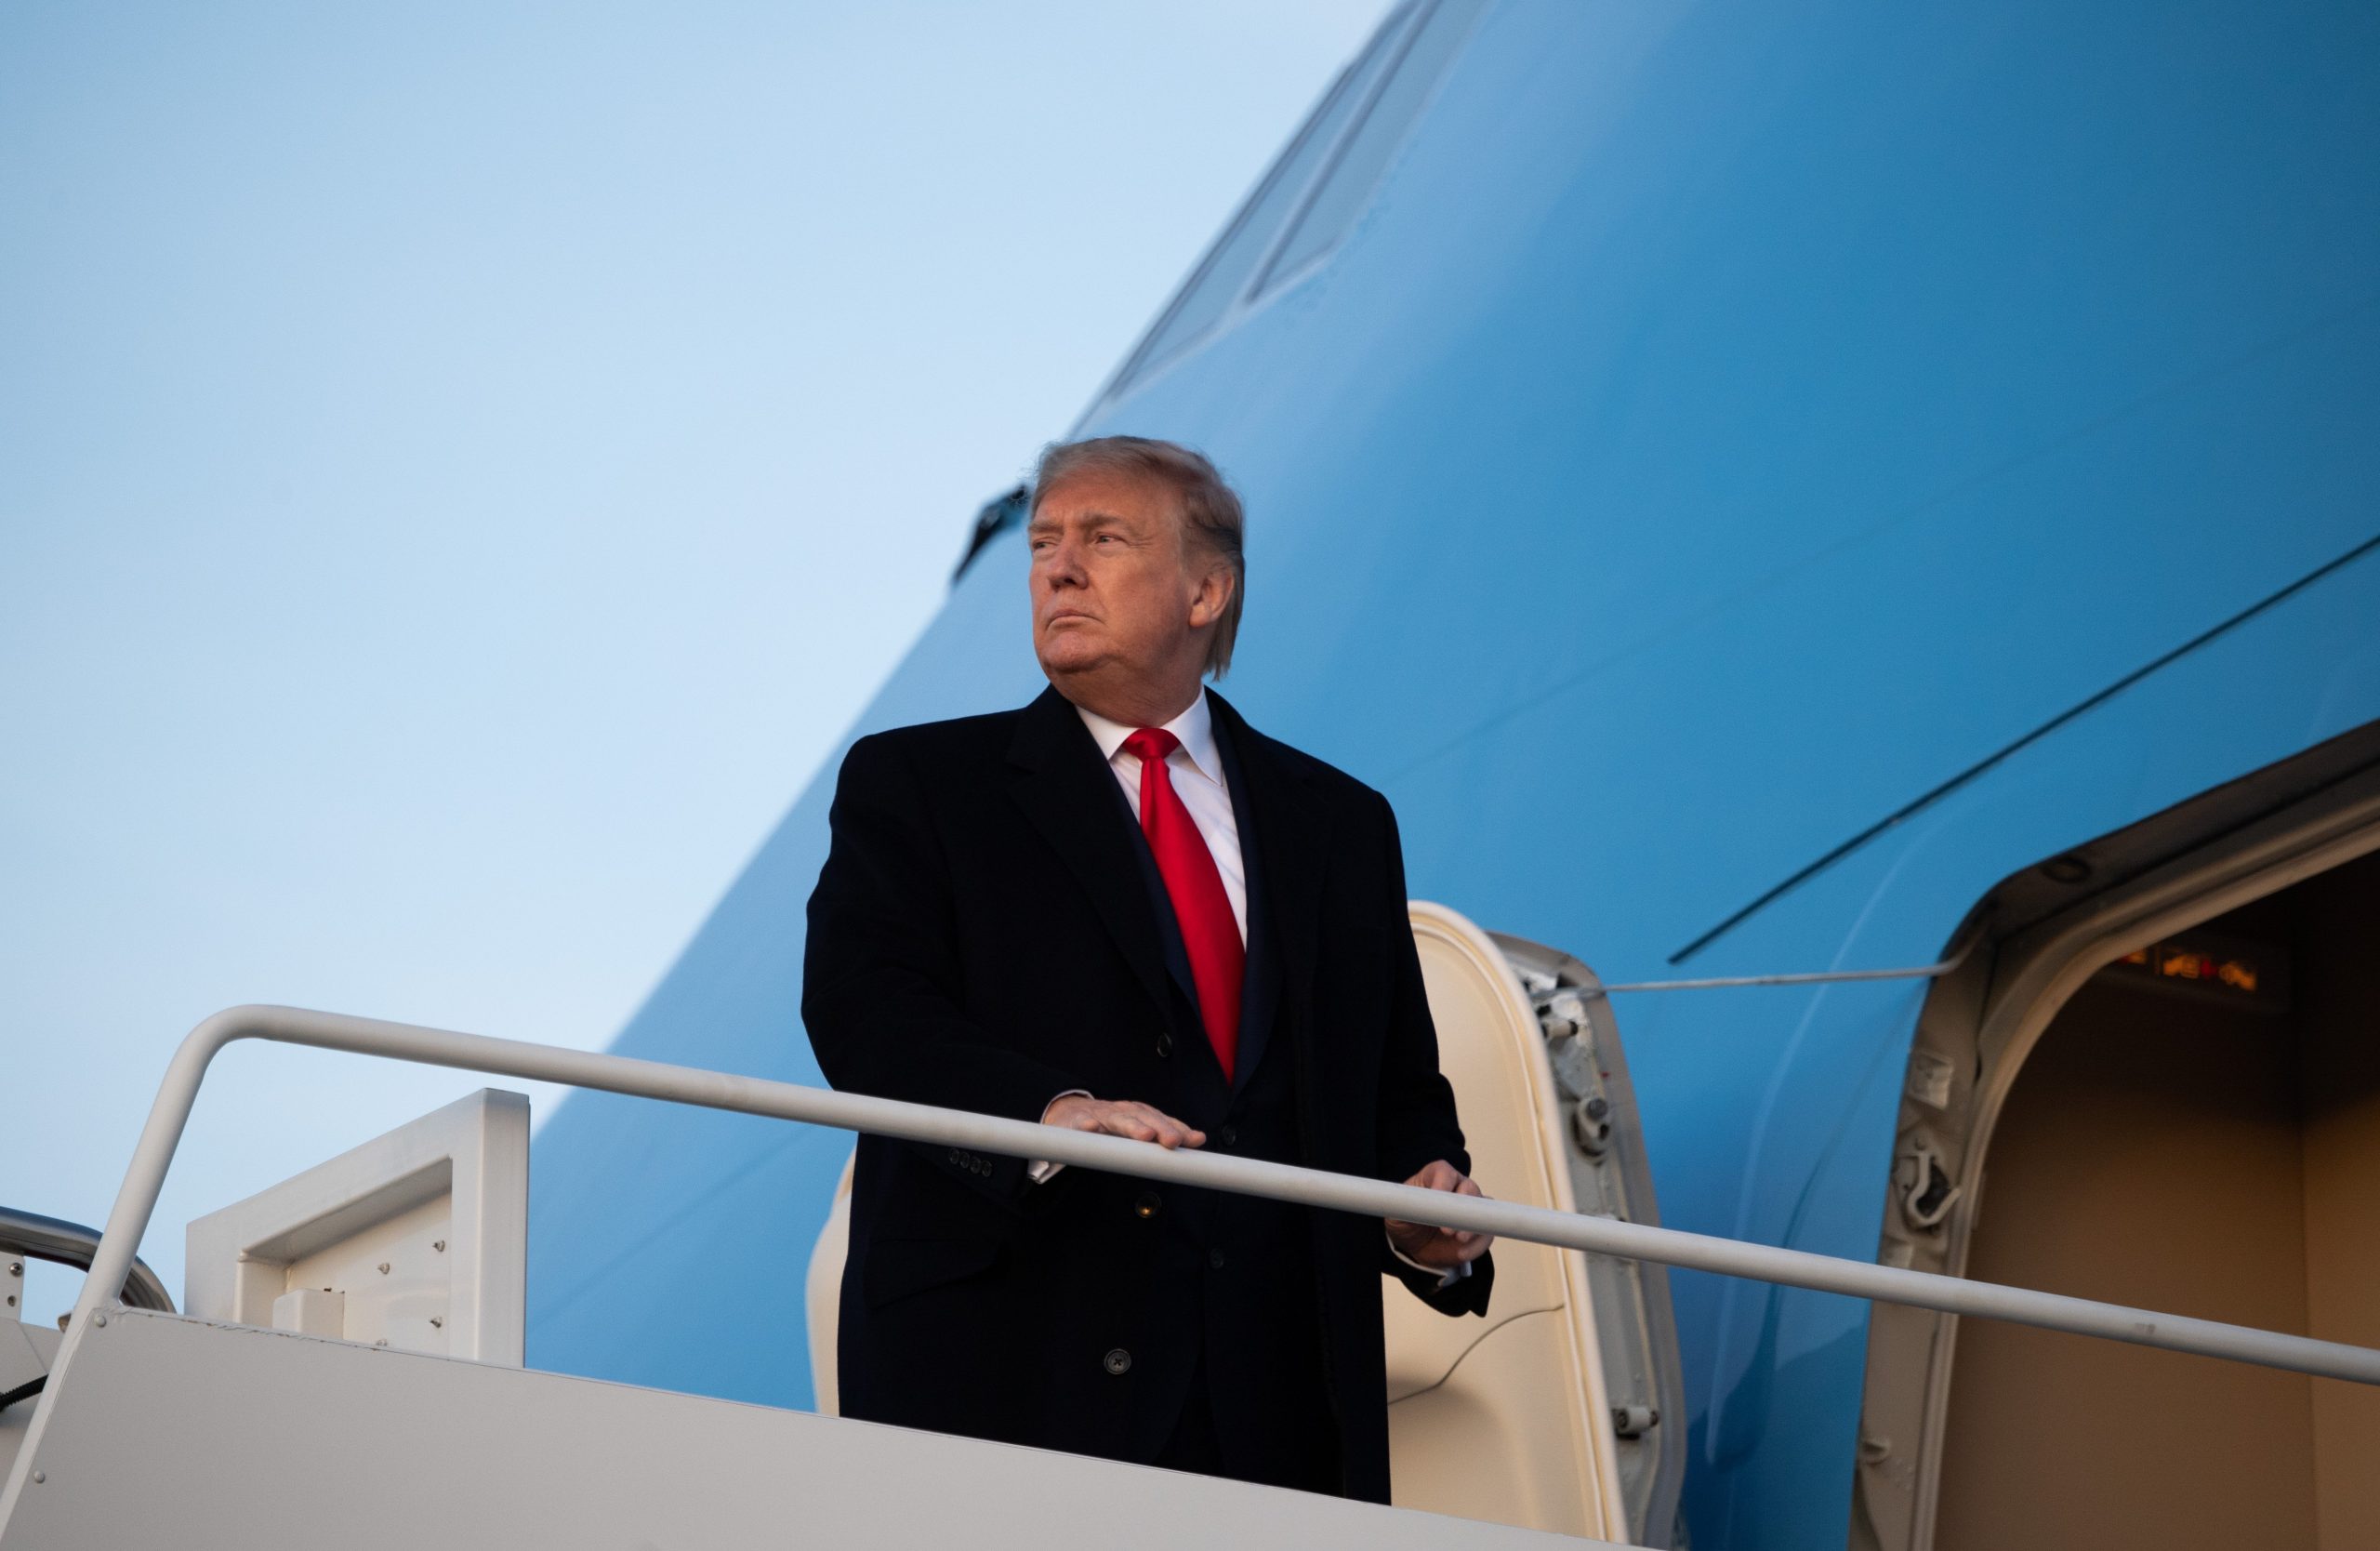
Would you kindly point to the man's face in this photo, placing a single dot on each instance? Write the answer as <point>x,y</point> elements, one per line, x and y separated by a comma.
<point>1114,597</point>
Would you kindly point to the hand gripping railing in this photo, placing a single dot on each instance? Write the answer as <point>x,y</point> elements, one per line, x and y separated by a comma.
<point>1368,1197</point>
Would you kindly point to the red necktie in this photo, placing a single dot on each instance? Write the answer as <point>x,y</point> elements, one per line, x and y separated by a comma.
<point>1210,934</point>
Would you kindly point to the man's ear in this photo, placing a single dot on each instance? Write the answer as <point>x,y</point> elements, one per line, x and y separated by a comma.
<point>1213,596</point>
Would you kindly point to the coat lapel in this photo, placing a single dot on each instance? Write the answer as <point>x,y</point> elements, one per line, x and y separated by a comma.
<point>1056,776</point>
<point>1289,832</point>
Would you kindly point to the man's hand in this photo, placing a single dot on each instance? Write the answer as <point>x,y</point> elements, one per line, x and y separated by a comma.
<point>1123,1118</point>
<point>1440,1249</point>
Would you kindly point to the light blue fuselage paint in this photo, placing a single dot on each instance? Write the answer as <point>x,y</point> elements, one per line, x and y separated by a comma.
<point>1712,430</point>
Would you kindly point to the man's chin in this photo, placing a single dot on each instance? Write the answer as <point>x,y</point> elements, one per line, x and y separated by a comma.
<point>1064,660</point>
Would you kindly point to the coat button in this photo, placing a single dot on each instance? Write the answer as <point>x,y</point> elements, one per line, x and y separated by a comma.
<point>1164,1042</point>
<point>1215,1259</point>
<point>1229,1136</point>
<point>1146,1205</point>
<point>1117,1361</point>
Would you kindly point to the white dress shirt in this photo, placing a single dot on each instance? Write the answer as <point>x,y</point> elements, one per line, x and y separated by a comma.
<point>1196,768</point>
<point>1198,773</point>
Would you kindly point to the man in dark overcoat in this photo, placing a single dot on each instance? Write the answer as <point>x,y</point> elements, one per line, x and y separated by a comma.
<point>1123,909</point>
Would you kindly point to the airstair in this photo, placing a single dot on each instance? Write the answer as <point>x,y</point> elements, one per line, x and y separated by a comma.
<point>348,1366</point>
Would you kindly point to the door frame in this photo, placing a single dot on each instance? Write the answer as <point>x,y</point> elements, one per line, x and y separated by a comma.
<point>2040,934</point>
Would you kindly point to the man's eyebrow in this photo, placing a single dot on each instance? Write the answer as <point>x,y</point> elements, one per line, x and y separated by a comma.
<point>1048,524</point>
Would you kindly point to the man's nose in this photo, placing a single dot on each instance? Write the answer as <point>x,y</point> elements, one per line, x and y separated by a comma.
<point>1062,566</point>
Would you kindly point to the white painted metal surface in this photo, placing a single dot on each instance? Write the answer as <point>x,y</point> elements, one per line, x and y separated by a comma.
<point>26,1353</point>
<point>179,1432</point>
<point>21,1360</point>
<point>417,1240</point>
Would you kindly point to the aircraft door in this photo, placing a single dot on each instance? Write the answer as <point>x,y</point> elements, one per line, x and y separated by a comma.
<point>1562,1410</point>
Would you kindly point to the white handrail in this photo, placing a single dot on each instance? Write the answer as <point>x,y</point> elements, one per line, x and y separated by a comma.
<point>1369,1198</point>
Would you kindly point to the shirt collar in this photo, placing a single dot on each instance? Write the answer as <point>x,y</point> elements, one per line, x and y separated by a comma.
<point>1195,728</point>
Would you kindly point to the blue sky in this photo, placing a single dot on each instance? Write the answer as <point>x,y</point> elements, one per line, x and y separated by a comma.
<point>462,466</point>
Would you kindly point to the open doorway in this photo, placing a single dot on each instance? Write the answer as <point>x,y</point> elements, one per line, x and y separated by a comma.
<point>2198,1131</point>
<point>2155,1081</point>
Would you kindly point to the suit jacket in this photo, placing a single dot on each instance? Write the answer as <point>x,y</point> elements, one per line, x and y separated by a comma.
<point>988,932</point>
